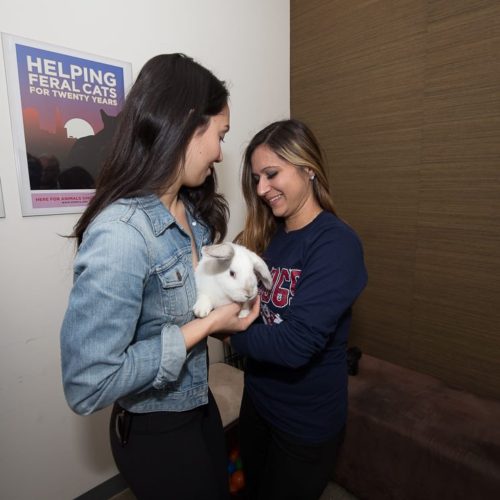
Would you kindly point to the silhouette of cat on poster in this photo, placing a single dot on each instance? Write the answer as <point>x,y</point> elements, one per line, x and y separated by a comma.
<point>74,163</point>
<point>89,152</point>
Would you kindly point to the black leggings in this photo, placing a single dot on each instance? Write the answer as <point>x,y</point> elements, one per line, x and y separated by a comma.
<point>276,466</point>
<point>171,455</point>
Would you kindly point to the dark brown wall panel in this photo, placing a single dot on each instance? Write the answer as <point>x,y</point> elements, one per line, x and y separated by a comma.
<point>404,97</point>
<point>457,287</point>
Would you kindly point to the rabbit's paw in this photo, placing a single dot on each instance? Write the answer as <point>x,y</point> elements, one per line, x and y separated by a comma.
<point>244,312</point>
<point>202,307</point>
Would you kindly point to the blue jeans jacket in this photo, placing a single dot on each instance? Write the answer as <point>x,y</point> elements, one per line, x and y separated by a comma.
<point>133,289</point>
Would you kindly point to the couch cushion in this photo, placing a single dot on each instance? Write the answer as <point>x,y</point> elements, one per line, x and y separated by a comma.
<point>409,436</point>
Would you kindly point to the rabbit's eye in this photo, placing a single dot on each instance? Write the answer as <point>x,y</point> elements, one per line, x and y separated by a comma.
<point>232,274</point>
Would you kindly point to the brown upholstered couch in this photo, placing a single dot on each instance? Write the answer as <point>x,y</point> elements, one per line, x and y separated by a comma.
<point>410,437</point>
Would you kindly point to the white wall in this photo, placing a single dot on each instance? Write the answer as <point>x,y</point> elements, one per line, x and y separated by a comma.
<point>47,452</point>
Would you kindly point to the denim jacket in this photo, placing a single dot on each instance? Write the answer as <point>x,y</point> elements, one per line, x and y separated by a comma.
<point>133,289</point>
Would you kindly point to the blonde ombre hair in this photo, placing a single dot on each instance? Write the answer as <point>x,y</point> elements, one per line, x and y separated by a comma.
<point>295,143</point>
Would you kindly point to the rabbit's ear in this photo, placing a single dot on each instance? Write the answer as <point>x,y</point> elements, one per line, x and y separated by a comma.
<point>261,270</point>
<point>222,251</point>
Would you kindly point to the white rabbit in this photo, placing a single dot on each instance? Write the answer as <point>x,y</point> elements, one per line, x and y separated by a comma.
<point>227,273</point>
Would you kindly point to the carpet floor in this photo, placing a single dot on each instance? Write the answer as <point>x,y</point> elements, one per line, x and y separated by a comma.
<point>332,492</point>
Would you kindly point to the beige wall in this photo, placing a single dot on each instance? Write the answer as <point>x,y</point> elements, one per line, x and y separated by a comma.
<point>405,99</point>
<point>47,452</point>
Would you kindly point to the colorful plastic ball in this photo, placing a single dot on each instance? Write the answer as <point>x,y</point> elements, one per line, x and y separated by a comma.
<point>237,480</point>
<point>232,488</point>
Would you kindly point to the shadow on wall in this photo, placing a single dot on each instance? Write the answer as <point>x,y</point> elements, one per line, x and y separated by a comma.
<point>93,440</point>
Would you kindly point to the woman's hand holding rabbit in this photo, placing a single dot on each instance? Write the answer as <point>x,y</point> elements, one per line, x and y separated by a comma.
<point>221,322</point>
<point>228,321</point>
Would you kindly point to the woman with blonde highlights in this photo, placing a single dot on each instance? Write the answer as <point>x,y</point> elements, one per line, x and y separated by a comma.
<point>294,142</point>
<point>294,404</point>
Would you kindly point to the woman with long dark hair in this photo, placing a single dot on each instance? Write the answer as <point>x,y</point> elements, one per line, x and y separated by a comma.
<point>129,337</point>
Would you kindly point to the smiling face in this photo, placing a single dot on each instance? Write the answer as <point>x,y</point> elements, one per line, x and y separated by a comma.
<point>204,149</point>
<point>287,189</point>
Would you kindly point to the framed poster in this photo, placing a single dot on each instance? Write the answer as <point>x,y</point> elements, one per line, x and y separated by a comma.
<point>64,106</point>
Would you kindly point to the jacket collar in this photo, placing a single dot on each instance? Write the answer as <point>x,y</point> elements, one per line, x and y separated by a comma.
<point>160,217</point>
<point>157,213</point>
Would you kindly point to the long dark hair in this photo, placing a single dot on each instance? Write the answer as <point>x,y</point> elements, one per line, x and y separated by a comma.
<point>171,99</point>
<point>294,142</point>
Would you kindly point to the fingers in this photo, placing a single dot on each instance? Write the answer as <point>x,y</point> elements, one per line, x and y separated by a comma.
<point>244,323</point>
<point>224,318</point>
<point>256,306</point>
<point>254,311</point>
<point>230,309</point>
<point>227,320</point>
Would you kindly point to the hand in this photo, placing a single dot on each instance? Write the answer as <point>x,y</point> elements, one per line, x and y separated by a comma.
<point>222,322</point>
<point>226,320</point>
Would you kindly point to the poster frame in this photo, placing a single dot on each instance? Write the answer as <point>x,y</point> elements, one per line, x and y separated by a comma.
<point>53,200</point>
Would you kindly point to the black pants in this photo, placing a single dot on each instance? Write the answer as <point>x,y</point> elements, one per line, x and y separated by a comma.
<point>172,455</point>
<point>276,466</point>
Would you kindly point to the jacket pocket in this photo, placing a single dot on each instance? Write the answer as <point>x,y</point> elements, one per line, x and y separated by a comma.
<point>175,289</point>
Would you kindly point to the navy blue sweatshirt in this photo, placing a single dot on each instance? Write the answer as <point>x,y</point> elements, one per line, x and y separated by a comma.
<point>296,372</point>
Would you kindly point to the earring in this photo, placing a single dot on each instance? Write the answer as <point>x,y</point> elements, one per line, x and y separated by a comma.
<point>311,177</point>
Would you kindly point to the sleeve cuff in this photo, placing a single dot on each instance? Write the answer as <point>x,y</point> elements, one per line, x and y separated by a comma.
<point>173,356</point>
